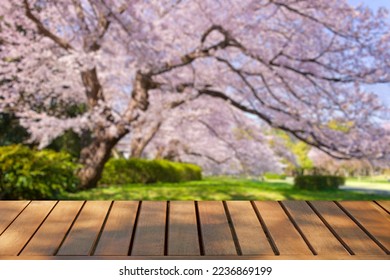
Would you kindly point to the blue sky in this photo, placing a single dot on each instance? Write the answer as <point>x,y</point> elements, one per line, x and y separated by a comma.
<point>373,4</point>
<point>382,90</point>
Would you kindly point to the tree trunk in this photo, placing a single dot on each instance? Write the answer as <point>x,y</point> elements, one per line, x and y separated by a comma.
<point>138,144</point>
<point>93,158</point>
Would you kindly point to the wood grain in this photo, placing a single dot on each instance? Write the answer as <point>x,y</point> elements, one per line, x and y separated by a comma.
<point>149,237</point>
<point>287,239</point>
<point>55,226</point>
<point>250,233</point>
<point>194,230</point>
<point>385,204</point>
<point>216,233</point>
<point>116,236</point>
<point>317,234</point>
<point>346,229</point>
<point>23,228</point>
<point>375,222</point>
<point>183,231</point>
<point>8,212</point>
<point>82,236</point>
<point>203,258</point>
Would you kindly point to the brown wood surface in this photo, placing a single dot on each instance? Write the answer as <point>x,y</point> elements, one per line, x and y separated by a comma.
<point>346,229</point>
<point>149,237</point>
<point>23,228</point>
<point>50,235</point>
<point>9,210</point>
<point>216,234</point>
<point>385,204</point>
<point>250,234</point>
<point>287,239</point>
<point>85,230</point>
<point>194,230</point>
<point>317,234</point>
<point>183,239</point>
<point>117,232</point>
<point>374,221</point>
<point>233,258</point>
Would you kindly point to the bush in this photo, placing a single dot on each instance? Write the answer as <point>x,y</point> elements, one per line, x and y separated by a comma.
<point>127,171</point>
<point>318,182</point>
<point>30,174</point>
<point>274,176</point>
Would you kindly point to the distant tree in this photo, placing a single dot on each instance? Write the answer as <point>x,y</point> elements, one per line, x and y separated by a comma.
<point>221,140</point>
<point>297,160</point>
<point>325,164</point>
<point>294,64</point>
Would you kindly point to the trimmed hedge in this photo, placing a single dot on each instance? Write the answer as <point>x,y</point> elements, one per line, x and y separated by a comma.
<point>274,176</point>
<point>318,182</point>
<point>31,174</point>
<point>127,171</point>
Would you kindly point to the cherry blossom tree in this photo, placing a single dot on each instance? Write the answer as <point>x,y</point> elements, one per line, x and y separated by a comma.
<point>222,140</point>
<point>325,164</point>
<point>296,65</point>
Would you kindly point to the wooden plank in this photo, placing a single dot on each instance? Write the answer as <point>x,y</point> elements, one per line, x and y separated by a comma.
<point>85,230</point>
<point>116,236</point>
<point>203,258</point>
<point>346,229</point>
<point>183,237</point>
<point>317,234</point>
<point>216,234</point>
<point>38,229</point>
<point>249,231</point>
<point>285,236</point>
<point>20,231</point>
<point>55,227</point>
<point>375,222</point>
<point>149,239</point>
<point>9,210</point>
<point>385,204</point>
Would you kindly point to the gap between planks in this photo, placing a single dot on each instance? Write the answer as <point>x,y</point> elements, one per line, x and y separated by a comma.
<point>228,220</point>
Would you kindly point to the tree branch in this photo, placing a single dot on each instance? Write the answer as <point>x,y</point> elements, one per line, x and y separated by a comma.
<point>44,31</point>
<point>199,53</point>
<point>312,139</point>
<point>289,8</point>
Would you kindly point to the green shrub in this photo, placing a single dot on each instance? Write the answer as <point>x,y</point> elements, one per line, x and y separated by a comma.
<point>274,176</point>
<point>128,171</point>
<point>30,174</point>
<point>318,182</point>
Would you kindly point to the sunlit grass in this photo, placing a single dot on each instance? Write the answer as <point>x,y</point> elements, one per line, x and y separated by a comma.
<point>217,188</point>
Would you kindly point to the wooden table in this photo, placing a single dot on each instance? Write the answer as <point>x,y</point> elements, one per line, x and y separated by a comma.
<point>194,230</point>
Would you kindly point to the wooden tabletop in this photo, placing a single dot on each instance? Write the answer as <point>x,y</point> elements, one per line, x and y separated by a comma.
<point>194,230</point>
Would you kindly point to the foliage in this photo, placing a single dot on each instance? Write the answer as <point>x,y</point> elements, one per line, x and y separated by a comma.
<point>11,132</point>
<point>218,188</point>
<point>71,143</point>
<point>274,176</point>
<point>30,174</point>
<point>301,150</point>
<point>126,171</point>
<point>344,126</point>
<point>294,153</point>
<point>318,182</point>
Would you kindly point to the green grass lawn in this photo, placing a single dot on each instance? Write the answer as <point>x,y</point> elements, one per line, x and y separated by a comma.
<point>217,188</point>
<point>369,184</point>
